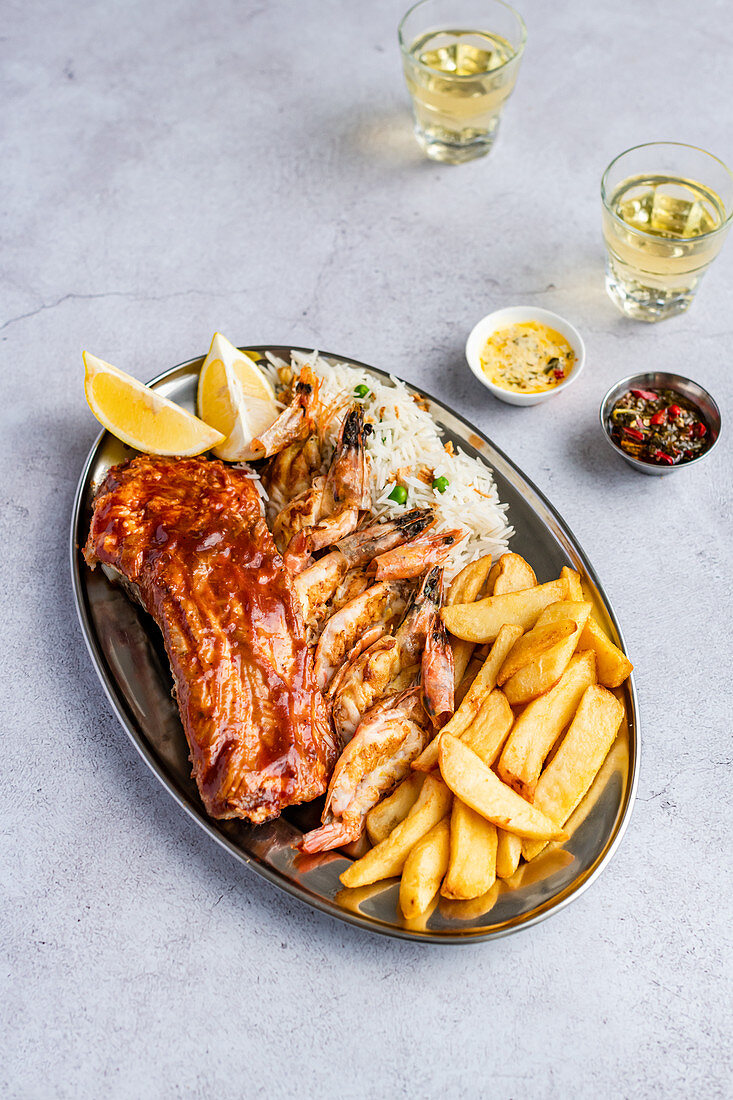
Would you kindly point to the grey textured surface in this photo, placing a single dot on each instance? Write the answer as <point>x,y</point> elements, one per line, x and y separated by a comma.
<point>171,169</point>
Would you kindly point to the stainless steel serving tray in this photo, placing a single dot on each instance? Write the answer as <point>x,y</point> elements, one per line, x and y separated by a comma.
<point>128,654</point>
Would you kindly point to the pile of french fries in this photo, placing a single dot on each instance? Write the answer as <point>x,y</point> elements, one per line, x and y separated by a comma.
<point>535,719</point>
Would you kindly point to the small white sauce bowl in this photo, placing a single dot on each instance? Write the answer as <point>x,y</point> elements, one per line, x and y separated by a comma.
<point>514,315</point>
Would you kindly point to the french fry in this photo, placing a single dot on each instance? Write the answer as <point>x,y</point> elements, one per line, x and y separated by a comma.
<point>467,584</point>
<point>612,665</point>
<point>490,713</point>
<point>466,588</point>
<point>387,815</point>
<point>485,680</point>
<point>575,588</point>
<point>424,869</point>
<point>490,729</point>
<point>615,763</point>
<point>388,858</point>
<point>510,574</point>
<point>540,724</point>
<point>476,785</point>
<point>531,645</point>
<point>482,621</point>
<point>474,667</point>
<point>462,652</point>
<point>508,853</point>
<point>545,671</point>
<point>475,697</point>
<point>420,922</point>
<point>585,746</point>
<point>472,864</point>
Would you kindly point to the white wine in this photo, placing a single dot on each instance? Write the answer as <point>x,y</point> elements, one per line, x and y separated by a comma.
<point>658,234</point>
<point>459,80</point>
<point>668,206</point>
<point>463,53</point>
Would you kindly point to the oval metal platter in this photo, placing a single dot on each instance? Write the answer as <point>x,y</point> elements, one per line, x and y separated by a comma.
<point>127,651</point>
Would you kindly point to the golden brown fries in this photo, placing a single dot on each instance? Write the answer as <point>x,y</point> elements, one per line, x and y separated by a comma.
<point>585,746</point>
<point>424,869</point>
<point>482,621</point>
<point>485,681</point>
<point>615,762</point>
<point>386,815</point>
<point>387,858</point>
<point>577,610</point>
<point>474,699</point>
<point>575,588</point>
<point>510,574</point>
<point>420,922</point>
<point>508,853</point>
<point>531,645</point>
<point>472,865</point>
<point>489,731</point>
<point>545,671</point>
<point>509,781</point>
<point>474,667</point>
<point>612,665</point>
<point>466,588</point>
<point>467,584</point>
<point>476,785</point>
<point>540,724</point>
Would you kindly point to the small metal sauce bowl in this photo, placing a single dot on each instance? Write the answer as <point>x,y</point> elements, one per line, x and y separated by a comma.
<point>661,380</point>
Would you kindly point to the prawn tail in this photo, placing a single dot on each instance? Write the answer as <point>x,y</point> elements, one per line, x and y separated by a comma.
<point>333,835</point>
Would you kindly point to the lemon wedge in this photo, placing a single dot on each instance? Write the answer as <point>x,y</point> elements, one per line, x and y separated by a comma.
<point>141,417</point>
<point>236,398</point>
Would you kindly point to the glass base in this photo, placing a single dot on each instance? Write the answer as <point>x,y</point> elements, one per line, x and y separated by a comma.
<point>645,303</point>
<point>437,146</point>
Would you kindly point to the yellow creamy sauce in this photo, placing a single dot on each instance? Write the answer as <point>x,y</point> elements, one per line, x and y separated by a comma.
<point>527,358</point>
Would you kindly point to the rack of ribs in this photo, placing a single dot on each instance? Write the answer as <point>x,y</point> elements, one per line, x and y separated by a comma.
<point>188,537</point>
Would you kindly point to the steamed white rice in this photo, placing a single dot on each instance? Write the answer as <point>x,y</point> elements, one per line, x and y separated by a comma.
<point>406,443</point>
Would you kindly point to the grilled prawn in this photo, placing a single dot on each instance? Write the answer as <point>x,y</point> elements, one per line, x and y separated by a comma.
<point>367,616</point>
<point>317,584</point>
<point>335,504</point>
<point>370,676</point>
<point>291,471</point>
<point>301,512</point>
<point>379,755</point>
<point>412,559</point>
<point>438,673</point>
<point>296,422</point>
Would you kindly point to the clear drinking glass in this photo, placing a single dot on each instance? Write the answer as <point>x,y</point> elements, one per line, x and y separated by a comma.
<point>461,59</point>
<point>667,209</point>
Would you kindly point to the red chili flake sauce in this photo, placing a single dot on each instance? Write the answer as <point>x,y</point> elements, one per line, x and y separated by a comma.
<point>659,426</point>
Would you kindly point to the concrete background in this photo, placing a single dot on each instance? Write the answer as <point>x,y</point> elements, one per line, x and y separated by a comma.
<point>175,168</point>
